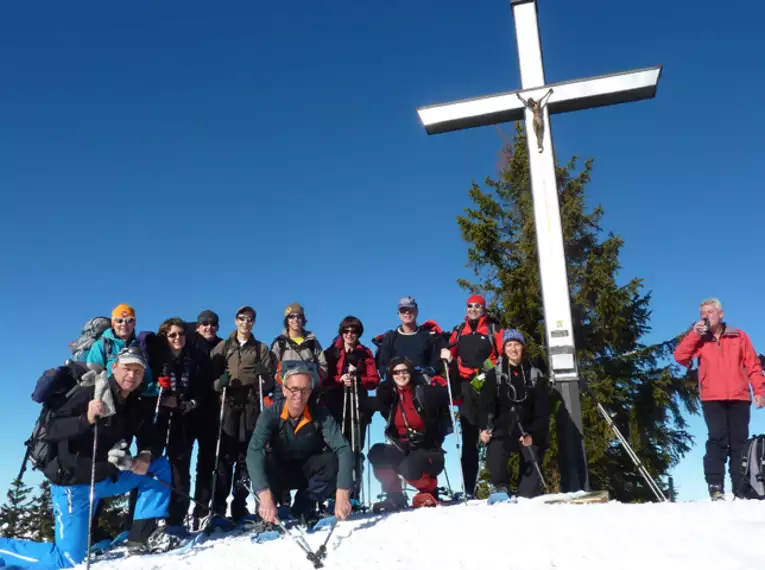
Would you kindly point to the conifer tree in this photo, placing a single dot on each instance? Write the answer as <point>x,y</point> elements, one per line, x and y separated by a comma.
<point>640,385</point>
<point>15,513</point>
<point>41,522</point>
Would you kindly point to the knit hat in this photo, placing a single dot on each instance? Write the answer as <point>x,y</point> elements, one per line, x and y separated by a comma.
<point>513,334</point>
<point>122,311</point>
<point>294,309</point>
<point>476,299</point>
<point>208,317</point>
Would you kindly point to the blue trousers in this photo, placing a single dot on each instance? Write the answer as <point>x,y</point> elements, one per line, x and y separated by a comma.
<point>70,509</point>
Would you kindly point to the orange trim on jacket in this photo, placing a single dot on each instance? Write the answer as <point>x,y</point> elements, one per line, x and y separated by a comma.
<point>305,419</point>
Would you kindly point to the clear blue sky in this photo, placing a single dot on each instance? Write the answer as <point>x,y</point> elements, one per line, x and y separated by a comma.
<point>184,155</point>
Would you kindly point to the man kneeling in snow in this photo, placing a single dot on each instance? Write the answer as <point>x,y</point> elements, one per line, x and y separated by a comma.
<point>82,418</point>
<point>288,451</point>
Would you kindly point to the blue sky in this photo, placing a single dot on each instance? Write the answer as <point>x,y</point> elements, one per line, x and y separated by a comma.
<point>178,156</point>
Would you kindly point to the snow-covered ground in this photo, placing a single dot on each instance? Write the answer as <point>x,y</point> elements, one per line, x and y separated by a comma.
<point>524,536</point>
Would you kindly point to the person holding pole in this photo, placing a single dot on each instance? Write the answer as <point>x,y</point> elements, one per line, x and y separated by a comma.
<point>352,372</point>
<point>244,368</point>
<point>514,416</point>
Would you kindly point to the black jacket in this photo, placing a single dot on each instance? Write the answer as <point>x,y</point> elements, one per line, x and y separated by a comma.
<point>431,404</point>
<point>511,395</point>
<point>423,348</point>
<point>190,374</point>
<point>72,435</point>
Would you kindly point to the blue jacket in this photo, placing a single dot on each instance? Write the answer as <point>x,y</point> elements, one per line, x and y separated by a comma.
<point>98,354</point>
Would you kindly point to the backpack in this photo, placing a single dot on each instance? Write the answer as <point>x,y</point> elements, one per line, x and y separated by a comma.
<point>53,389</point>
<point>753,468</point>
<point>91,332</point>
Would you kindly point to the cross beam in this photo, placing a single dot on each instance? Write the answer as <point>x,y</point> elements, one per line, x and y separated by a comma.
<point>567,96</point>
<point>534,103</point>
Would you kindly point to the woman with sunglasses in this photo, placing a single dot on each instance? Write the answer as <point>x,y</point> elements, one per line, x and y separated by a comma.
<point>418,420</point>
<point>475,346</point>
<point>514,417</point>
<point>352,372</point>
<point>185,380</point>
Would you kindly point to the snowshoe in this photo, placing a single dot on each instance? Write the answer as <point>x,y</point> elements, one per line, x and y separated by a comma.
<point>324,522</point>
<point>424,500</point>
<point>101,546</point>
<point>498,497</point>
<point>392,503</point>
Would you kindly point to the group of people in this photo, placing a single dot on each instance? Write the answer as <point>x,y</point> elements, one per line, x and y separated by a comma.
<point>293,416</point>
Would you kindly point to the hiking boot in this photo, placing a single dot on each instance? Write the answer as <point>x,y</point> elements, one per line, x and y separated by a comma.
<point>304,509</point>
<point>716,493</point>
<point>392,502</point>
<point>163,539</point>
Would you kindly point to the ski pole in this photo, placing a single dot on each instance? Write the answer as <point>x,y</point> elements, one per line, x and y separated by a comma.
<point>92,493</point>
<point>260,391</point>
<point>534,460</point>
<point>321,552</point>
<point>369,466</point>
<point>299,540</point>
<point>457,427</point>
<point>217,451</point>
<point>156,407</point>
<point>631,452</point>
<point>357,429</point>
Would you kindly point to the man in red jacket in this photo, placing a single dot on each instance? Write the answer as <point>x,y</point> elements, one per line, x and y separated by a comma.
<point>728,365</point>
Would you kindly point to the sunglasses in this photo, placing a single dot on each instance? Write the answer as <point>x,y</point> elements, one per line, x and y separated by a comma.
<point>294,316</point>
<point>474,306</point>
<point>351,331</point>
<point>301,391</point>
<point>132,350</point>
<point>176,334</point>
<point>245,319</point>
<point>124,320</point>
<point>401,372</point>
<point>406,310</point>
<point>209,325</point>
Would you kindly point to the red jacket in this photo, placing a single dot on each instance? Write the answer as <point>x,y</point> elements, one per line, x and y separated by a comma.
<point>336,364</point>
<point>473,347</point>
<point>726,367</point>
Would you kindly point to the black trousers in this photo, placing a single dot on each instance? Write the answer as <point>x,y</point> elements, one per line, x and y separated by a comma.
<point>232,475</point>
<point>728,425</point>
<point>469,458</point>
<point>498,454</point>
<point>317,475</point>
<point>354,432</point>
<point>411,466</point>
<point>204,429</point>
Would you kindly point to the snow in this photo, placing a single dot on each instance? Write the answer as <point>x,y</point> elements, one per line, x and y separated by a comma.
<point>527,535</point>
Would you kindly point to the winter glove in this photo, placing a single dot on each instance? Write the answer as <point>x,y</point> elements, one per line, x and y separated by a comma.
<point>120,457</point>
<point>222,382</point>
<point>186,406</point>
<point>164,382</point>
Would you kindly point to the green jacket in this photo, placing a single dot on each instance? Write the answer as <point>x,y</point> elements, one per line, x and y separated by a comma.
<point>316,431</point>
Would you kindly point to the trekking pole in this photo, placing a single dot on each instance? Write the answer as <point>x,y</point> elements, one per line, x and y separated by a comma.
<point>321,552</point>
<point>167,434</point>
<point>217,454</point>
<point>369,466</point>
<point>457,427</point>
<point>534,460</point>
<point>260,391</point>
<point>635,459</point>
<point>299,540</point>
<point>357,429</point>
<point>156,407</point>
<point>92,493</point>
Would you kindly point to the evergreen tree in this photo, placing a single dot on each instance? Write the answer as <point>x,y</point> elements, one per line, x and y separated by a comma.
<point>113,518</point>
<point>14,514</point>
<point>640,385</point>
<point>41,523</point>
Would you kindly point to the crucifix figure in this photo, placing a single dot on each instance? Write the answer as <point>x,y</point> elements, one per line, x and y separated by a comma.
<point>536,109</point>
<point>528,104</point>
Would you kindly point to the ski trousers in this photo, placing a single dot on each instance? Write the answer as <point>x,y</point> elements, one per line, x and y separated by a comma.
<point>728,425</point>
<point>498,453</point>
<point>70,509</point>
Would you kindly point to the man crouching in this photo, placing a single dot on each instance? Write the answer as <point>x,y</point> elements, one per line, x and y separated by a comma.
<point>299,446</point>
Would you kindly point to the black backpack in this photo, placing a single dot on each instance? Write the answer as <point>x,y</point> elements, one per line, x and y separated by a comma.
<point>753,468</point>
<point>53,389</point>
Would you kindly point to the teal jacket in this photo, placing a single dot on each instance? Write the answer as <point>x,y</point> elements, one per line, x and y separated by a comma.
<point>316,431</point>
<point>98,354</point>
